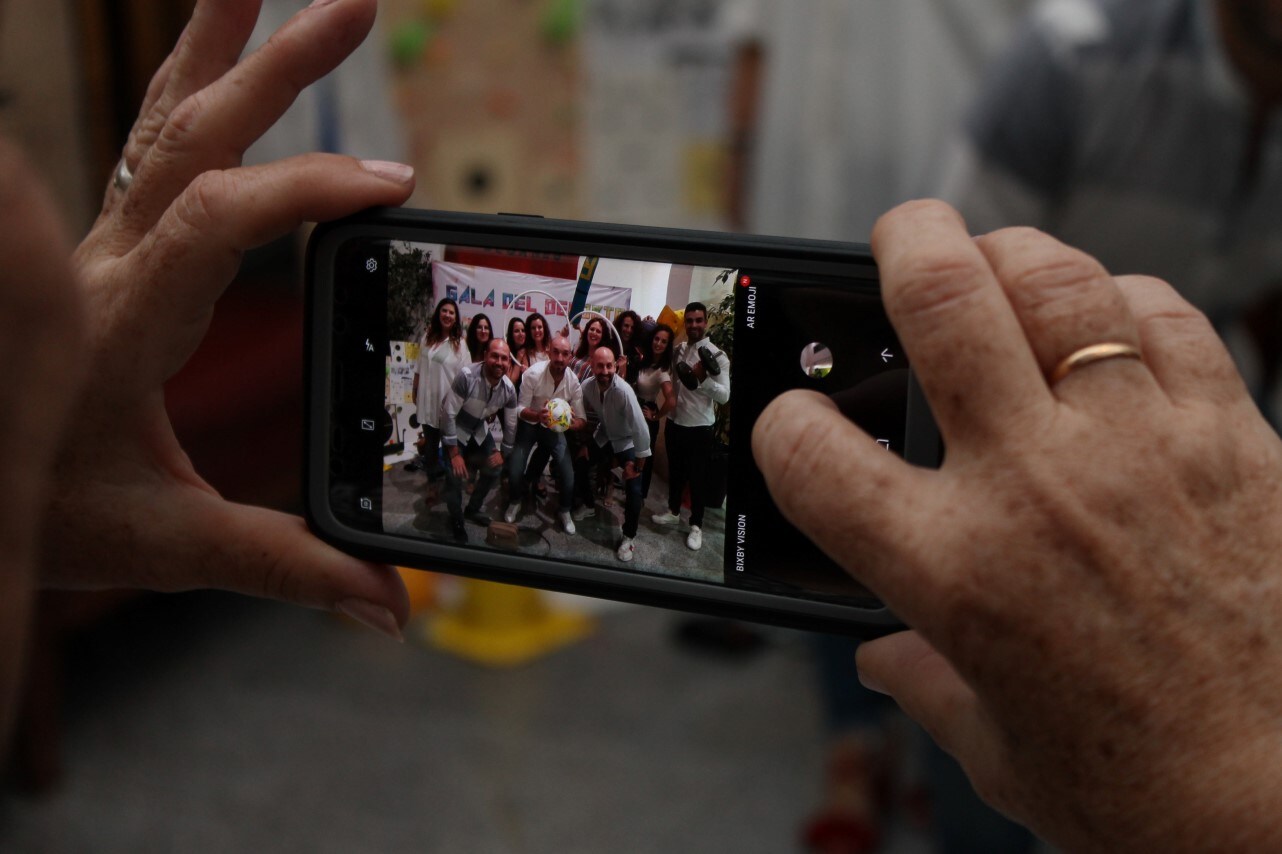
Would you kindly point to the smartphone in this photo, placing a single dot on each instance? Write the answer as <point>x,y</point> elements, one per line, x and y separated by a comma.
<point>749,316</point>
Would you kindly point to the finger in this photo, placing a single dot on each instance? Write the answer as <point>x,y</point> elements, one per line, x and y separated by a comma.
<point>193,539</point>
<point>199,241</point>
<point>961,334</point>
<point>211,128</point>
<point>930,691</point>
<point>270,554</point>
<point>1065,300</point>
<point>210,44</point>
<point>1181,348</point>
<point>861,521</point>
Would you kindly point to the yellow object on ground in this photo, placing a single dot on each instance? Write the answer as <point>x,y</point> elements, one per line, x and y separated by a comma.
<point>422,589</point>
<point>500,625</point>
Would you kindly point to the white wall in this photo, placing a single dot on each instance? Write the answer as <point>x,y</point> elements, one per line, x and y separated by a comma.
<point>648,281</point>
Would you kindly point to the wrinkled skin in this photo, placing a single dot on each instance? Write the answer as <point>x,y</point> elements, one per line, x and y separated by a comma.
<point>1094,576</point>
<point>121,313</point>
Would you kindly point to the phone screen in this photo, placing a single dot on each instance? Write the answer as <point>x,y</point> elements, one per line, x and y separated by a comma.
<point>702,348</point>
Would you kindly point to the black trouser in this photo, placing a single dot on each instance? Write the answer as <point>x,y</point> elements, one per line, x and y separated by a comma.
<point>477,457</point>
<point>649,468</point>
<point>580,447</point>
<point>689,449</point>
<point>431,449</point>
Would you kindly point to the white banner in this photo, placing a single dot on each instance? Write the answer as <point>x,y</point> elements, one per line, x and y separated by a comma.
<point>501,295</point>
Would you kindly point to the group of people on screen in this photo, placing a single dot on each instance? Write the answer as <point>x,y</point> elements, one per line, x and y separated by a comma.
<point>482,404</point>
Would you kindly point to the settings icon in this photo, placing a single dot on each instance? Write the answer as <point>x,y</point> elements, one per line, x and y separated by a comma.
<point>371,265</point>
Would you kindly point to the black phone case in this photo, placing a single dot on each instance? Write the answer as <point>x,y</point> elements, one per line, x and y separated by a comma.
<point>599,239</point>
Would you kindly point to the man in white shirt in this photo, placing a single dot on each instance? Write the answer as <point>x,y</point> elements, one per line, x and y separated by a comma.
<point>541,382</point>
<point>622,434</point>
<point>704,370</point>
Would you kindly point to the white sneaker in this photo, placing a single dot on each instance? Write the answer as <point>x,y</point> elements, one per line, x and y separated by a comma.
<point>627,549</point>
<point>695,540</point>
<point>509,515</point>
<point>665,518</point>
<point>567,523</point>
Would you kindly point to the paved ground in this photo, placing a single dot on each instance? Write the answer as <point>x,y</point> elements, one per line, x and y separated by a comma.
<point>413,507</point>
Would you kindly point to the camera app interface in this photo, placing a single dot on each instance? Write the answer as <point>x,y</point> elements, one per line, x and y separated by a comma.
<point>599,410</point>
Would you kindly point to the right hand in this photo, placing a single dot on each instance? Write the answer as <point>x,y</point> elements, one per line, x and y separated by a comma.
<point>458,466</point>
<point>1094,576</point>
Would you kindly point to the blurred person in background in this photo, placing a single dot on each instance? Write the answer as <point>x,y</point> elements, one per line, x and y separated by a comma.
<point>1144,132</point>
<point>840,111</point>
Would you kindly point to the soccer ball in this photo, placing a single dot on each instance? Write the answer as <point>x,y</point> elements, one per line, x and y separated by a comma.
<point>559,414</point>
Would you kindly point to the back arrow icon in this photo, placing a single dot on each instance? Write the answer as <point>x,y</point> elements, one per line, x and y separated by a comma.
<point>886,355</point>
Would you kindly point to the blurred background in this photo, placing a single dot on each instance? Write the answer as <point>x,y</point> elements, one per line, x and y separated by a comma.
<point>203,722</point>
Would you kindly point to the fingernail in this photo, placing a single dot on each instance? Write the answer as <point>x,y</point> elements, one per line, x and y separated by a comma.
<point>374,616</point>
<point>871,683</point>
<point>397,173</point>
<point>316,4</point>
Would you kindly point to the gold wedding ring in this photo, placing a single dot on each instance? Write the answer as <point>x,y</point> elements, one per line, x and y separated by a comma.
<point>1093,353</point>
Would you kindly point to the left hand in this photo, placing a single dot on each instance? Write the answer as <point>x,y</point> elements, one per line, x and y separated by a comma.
<point>496,460</point>
<point>128,508</point>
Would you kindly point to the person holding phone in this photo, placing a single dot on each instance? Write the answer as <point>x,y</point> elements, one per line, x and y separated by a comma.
<point>121,506</point>
<point>479,392</point>
<point>704,372</point>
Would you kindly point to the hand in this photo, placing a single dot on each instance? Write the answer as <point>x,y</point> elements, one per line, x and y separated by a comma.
<point>631,470</point>
<point>458,466</point>
<point>496,460</point>
<point>128,508</point>
<point>700,372</point>
<point>1093,575</point>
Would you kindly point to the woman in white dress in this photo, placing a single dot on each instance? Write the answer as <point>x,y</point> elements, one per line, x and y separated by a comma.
<point>654,389</point>
<point>441,354</point>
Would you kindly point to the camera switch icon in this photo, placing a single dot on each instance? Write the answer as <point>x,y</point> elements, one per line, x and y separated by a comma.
<point>367,504</point>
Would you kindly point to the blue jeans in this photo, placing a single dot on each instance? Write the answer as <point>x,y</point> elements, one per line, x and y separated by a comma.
<point>551,444</point>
